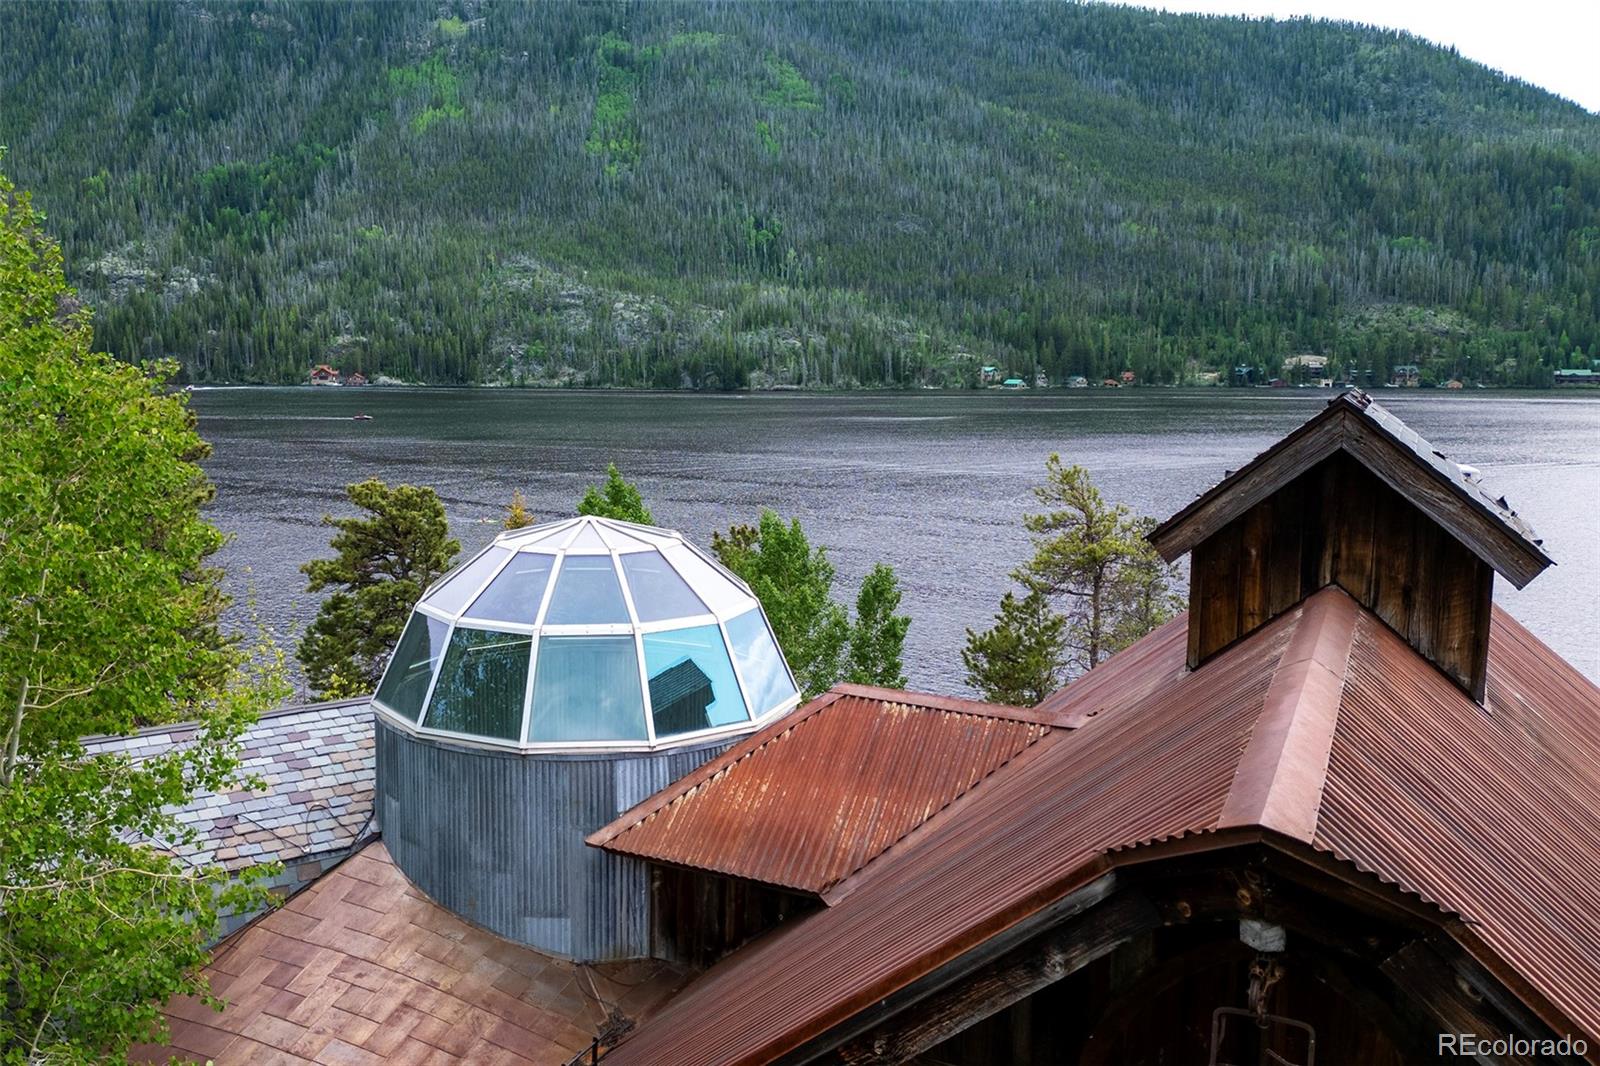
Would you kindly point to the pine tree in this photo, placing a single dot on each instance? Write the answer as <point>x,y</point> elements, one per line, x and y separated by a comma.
<point>1018,659</point>
<point>618,498</point>
<point>384,561</point>
<point>517,513</point>
<point>794,583</point>
<point>1092,558</point>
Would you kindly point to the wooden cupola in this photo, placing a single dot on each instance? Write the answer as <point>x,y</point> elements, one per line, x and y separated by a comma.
<point>1353,498</point>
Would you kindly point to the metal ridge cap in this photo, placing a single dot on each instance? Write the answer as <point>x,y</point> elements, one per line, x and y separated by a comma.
<point>953,704</point>
<point>1279,781</point>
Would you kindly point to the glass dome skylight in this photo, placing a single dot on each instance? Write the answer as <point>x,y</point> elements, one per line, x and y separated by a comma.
<point>587,633</point>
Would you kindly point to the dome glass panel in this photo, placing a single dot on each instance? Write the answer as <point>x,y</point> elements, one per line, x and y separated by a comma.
<point>482,684</point>
<point>587,688</point>
<point>709,581</point>
<point>766,675</point>
<point>588,539</point>
<point>691,681</point>
<point>457,589</point>
<point>586,632</point>
<point>587,593</point>
<point>516,592</point>
<point>658,592</point>
<point>405,683</point>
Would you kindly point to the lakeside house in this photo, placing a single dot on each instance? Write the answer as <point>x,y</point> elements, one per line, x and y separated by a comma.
<point>1576,377</point>
<point>988,375</point>
<point>1311,369</point>
<point>1013,383</point>
<point>1343,798</point>
<point>323,374</point>
<point>356,378</point>
<point>1077,381</point>
<point>1407,375</point>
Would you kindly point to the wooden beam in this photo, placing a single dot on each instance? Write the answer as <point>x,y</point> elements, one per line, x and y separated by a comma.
<point>1462,999</point>
<point>1485,534</point>
<point>1019,974</point>
<point>1069,906</point>
<point>1313,442</point>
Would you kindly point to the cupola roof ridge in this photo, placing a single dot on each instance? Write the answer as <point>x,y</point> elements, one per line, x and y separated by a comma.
<point>1380,441</point>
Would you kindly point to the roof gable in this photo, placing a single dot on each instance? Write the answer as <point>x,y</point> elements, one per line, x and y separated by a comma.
<point>1394,453</point>
<point>779,808</point>
<point>1322,730</point>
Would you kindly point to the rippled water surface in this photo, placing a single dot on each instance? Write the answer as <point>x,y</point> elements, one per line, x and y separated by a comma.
<point>933,483</point>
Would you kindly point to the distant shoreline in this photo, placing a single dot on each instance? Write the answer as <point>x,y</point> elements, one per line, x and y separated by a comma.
<point>1053,390</point>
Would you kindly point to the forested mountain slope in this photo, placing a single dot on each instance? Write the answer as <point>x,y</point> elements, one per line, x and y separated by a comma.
<point>827,194</point>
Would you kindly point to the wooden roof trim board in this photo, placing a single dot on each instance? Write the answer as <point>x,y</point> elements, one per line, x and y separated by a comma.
<point>1394,453</point>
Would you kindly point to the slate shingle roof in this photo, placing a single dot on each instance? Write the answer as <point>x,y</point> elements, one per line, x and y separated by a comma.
<point>315,762</point>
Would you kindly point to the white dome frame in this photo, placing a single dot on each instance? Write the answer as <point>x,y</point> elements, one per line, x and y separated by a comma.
<point>723,593</point>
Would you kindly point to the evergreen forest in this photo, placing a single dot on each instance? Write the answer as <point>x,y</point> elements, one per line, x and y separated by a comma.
<point>817,195</point>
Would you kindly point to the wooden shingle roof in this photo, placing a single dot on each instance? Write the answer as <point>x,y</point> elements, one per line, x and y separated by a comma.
<point>361,968</point>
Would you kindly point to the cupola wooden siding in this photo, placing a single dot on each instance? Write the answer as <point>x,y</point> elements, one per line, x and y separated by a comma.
<point>1353,498</point>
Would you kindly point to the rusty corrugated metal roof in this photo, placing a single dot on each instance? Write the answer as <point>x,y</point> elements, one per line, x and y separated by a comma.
<point>813,798</point>
<point>1493,814</point>
<point>1154,768</point>
<point>1323,726</point>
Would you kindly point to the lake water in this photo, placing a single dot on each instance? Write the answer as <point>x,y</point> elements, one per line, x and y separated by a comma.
<point>934,484</point>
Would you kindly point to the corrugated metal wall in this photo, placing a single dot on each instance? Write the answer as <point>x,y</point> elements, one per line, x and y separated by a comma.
<point>497,837</point>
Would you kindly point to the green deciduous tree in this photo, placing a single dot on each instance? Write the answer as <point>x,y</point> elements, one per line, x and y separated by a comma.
<point>1092,559</point>
<point>1018,659</point>
<point>618,498</point>
<point>384,560</point>
<point>794,583</point>
<point>108,620</point>
<point>878,634</point>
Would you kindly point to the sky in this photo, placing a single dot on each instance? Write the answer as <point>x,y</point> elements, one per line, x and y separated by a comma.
<point>1554,44</point>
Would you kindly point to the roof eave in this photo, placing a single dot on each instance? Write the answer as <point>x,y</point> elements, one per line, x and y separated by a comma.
<point>1345,426</point>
